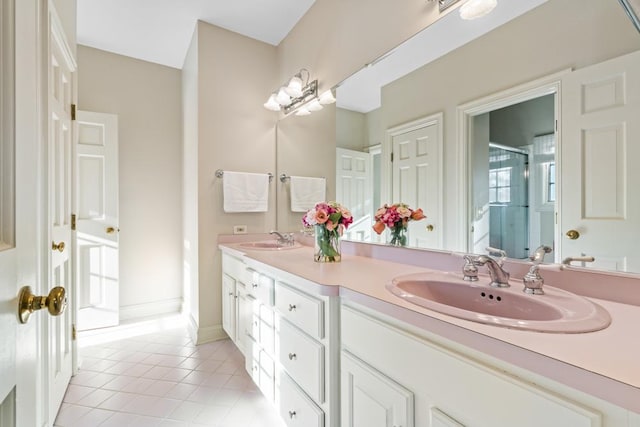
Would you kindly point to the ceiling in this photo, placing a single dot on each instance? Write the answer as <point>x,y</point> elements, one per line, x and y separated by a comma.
<point>160,31</point>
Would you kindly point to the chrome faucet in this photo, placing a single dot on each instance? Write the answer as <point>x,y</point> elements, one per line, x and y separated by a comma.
<point>499,277</point>
<point>533,282</point>
<point>285,239</point>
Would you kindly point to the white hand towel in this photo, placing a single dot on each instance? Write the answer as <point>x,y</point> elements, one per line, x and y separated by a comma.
<point>306,192</point>
<point>245,192</point>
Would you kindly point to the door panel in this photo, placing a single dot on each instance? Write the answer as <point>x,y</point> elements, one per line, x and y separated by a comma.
<point>354,190</point>
<point>97,222</point>
<point>417,169</point>
<point>59,329</point>
<point>600,130</point>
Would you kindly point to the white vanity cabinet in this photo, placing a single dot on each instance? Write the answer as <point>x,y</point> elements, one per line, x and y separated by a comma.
<point>393,375</point>
<point>234,300</point>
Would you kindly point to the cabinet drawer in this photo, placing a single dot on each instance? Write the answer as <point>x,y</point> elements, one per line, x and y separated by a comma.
<point>267,376</point>
<point>267,337</point>
<point>233,266</point>
<point>253,325</point>
<point>260,286</point>
<point>252,360</point>
<point>303,310</point>
<point>296,409</point>
<point>303,359</point>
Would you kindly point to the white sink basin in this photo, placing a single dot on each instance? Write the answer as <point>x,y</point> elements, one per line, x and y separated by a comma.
<point>555,311</point>
<point>269,245</point>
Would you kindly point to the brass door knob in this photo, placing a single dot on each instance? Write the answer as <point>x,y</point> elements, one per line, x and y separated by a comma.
<point>57,246</point>
<point>430,227</point>
<point>55,302</point>
<point>573,234</point>
<point>111,230</point>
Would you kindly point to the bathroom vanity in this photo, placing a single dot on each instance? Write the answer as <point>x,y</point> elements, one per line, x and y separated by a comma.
<point>331,346</point>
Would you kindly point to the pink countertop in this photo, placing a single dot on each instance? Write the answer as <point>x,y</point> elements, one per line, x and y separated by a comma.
<point>602,363</point>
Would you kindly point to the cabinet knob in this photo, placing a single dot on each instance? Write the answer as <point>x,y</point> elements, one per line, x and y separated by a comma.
<point>292,356</point>
<point>230,293</point>
<point>255,285</point>
<point>57,246</point>
<point>292,414</point>
<point>292,307</point>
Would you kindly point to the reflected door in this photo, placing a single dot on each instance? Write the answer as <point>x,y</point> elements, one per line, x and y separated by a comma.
<point>97,223</point>
<point>600,134</point>
<point>416,169</point>
<point>354,190</point>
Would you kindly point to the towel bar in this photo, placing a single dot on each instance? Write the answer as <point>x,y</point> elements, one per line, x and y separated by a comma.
<point>284,177</point>
<point>220,174</point>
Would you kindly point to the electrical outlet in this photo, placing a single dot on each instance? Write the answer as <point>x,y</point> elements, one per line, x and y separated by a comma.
<point>239,229</point>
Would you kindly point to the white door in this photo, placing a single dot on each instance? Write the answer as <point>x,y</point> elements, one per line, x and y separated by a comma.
<point>97,220</point>
<point>60,145</point>
<point>600,132</point>
<point>417,178</point>
<point>8,252</point>
<point>354,190</point>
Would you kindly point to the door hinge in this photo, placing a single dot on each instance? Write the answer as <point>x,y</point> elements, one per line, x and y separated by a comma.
<point>392,157</point>
<point>556,126</point>
<point>73,111</point>
<point>73,332</point>
<point>73,222</point>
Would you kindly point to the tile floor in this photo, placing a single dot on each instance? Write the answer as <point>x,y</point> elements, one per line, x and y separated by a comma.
<point>162,379</point>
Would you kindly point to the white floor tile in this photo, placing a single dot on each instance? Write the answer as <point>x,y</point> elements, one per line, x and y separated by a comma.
<point>163,380</point>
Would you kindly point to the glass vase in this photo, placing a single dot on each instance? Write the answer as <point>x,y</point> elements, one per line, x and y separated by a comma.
<point>398,235</point>
<point>327,245</point>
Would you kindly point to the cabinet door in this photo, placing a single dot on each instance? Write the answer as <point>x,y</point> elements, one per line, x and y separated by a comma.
<point>229,306</point>
<point>244,316</point>
<point>370,399</point>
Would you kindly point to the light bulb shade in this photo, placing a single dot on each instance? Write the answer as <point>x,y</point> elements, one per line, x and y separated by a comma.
<point>302,111</point>
<point>272,104</point>
<point>314,105</point>
<point>473,9</point>
<point>327,98</point>
<point>282,97</point>
<point>294,88</point>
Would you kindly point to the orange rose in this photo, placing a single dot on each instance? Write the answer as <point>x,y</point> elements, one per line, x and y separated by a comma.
<point>378,227</point>
<point>321,217</point>
<point>418,215</point>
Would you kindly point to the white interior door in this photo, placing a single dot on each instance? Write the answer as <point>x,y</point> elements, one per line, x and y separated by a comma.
<point>600,132</point>
<point>97,222</point>
<point>8,259</point>
<point>354,190</point>
<point>417,178</point>
<point>61,93</point>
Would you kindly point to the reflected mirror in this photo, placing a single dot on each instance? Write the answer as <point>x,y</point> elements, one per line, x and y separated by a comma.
<point>513,130</point>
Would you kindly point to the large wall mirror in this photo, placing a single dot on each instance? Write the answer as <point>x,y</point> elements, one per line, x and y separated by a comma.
<point>513,131</point>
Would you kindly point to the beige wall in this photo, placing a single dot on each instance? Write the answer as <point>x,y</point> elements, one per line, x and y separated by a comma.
<point>558,35</point>
<point>235,133</point>
<point>146,97</point>
<point>351,130</point>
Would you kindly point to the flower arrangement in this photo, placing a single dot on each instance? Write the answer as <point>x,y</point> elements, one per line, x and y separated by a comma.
<point>396,217</point>
<point>329,219</point>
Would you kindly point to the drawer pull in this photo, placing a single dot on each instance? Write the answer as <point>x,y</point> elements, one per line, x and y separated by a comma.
<point>230,293</point>
<point>292,307</point>
<point>255,285</point>
<point>292,356</point>
<point>292,414</point>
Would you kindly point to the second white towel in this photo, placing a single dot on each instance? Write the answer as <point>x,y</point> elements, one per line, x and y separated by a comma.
<point>245,192</point>
<point>306,192</point>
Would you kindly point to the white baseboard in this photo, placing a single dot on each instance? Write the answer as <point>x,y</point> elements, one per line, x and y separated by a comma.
<point>211,333</point>
<point>192,326</point>
<point>130,329</point>
<point>157,308</point>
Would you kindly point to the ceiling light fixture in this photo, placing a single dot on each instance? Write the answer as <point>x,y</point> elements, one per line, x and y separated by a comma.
<point>474,9</point>
<point>300,95</point>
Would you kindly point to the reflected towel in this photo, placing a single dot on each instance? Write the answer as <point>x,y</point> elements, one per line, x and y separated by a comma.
<point>245,192</point>
<point>306,192</point>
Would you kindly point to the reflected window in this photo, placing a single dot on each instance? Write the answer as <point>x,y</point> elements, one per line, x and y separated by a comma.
<point>500,185</point>
<point>551,182</point>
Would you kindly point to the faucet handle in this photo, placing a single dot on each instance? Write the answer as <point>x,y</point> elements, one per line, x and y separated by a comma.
<point>470,269</point>
<point>500,252</point>
<point>538,255</point>
<point>532,281</point>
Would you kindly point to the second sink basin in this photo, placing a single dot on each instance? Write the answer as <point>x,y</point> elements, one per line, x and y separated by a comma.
<point>269,245</point>
<point>555,311</point>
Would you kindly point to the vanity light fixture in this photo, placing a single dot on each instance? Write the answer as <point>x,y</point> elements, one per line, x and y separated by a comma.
<point>300,95</point>
<point>473,9</point>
